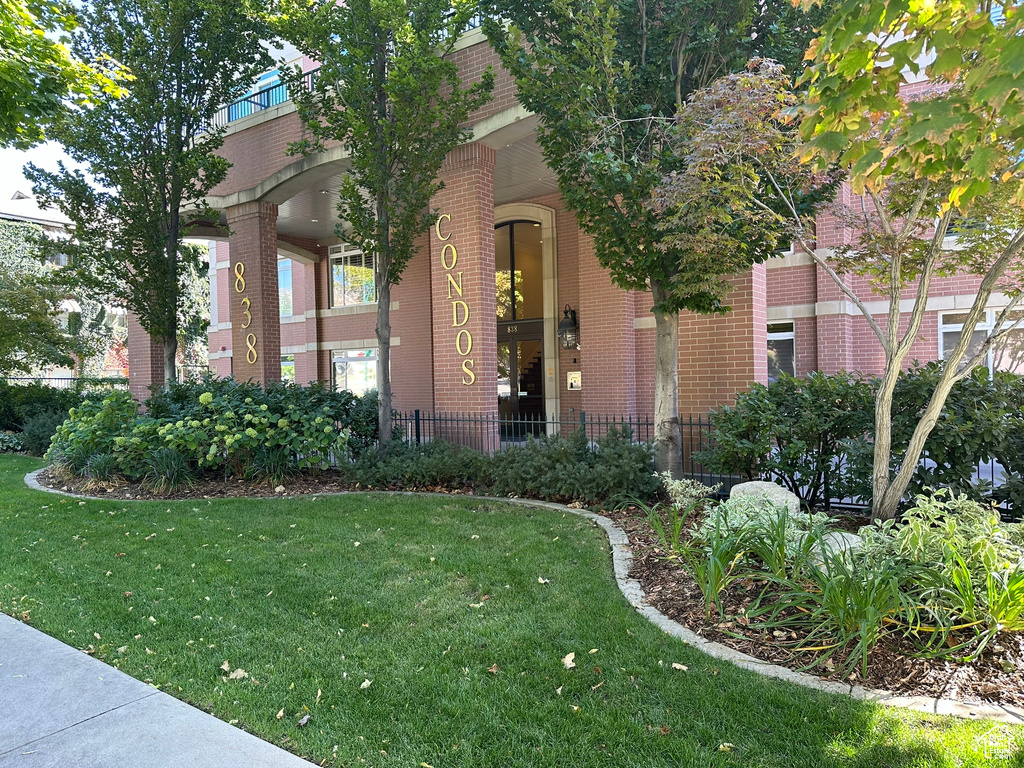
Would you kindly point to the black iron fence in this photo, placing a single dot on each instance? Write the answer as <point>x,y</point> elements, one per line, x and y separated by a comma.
<point>495,432</point>
<point>68,382</point>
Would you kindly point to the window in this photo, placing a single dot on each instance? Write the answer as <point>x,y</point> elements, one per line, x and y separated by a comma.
<point>284,286</point>
<point>355,370</point>
<point>288,368</point>
<point>352,279</point>
<point>781,350</point>
<point>1007,355</point>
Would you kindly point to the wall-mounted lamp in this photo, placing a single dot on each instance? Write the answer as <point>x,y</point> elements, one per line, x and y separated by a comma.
<point>569,330</point>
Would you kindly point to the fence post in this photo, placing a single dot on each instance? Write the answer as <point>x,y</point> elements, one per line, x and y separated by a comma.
<point>417,417</point>
<point>583,422</point>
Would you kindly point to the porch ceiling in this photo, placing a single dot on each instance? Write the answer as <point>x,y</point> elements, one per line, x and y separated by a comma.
<point>519,173</point>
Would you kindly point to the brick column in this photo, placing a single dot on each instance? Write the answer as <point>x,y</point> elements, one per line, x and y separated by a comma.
<point>145,359</point>
<point>462,291</point>
<point>252,278</point>
<point>722,355</point>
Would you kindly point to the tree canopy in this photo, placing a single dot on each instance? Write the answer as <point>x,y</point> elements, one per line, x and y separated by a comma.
<point>150,156</point>
<point>39,72</point>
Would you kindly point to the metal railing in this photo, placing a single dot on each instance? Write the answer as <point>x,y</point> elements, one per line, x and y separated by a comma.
<point>490,433</point>
<point>276,94</point>
<point>69,382</point>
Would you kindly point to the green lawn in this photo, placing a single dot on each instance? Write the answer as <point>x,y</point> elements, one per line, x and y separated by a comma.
<point>312,597</point>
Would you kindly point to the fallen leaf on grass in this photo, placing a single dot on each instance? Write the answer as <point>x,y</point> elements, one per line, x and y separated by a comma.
<point>726,747</point>
<point>280,714</point>
<point>541,580</point>
<point>593,650</point>
<point>365,684</point>
<point>303,721</point>
<point>680,667</point>
<point>568,660</point>
<point>558,690</point>
<point>226,666</point>
<point>493,669</point>
<point>595,687</point>
<point>238,674</point>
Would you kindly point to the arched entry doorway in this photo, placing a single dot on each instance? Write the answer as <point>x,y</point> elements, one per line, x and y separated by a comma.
<point>525,299</point>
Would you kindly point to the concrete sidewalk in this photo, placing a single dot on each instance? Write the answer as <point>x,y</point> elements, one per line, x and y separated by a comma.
<point>62,708</point>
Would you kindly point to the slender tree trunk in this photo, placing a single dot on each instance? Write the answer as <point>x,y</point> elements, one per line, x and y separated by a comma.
<point>384,422</point>
<point>170,360</point>
<point>668,450</point>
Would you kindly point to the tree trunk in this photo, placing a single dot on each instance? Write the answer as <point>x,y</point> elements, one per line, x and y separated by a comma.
<point>170,360</point>
<point>384,422</point>
<point>668,449</point>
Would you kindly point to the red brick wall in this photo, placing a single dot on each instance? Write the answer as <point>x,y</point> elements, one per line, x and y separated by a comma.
<point>721,355</point>
<point>412,363</point>
<point>145,360</point>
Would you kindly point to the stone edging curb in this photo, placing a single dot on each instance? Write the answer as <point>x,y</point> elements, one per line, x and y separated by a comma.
<point>622,560</point>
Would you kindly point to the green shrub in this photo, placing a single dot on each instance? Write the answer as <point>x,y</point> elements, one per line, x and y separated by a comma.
<point>434,464</point>
<point>271,464</point>
<point>39,430</point>
<point>10,442</point>
<point>19,402</point>
<point>93,427</point>
<point>796,430</point>
<point>559,468</point>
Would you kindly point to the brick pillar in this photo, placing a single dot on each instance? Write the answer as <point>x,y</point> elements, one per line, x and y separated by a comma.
<point>607,339</point>
<point>145,359</point>
<point>462,291</point>
<point>252,278</point>
<point>722,355</point>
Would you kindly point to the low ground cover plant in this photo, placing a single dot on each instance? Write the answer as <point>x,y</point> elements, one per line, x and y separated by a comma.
<point>943,582</point>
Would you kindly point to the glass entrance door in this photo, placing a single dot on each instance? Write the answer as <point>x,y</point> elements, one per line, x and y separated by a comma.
<point>519,288</point>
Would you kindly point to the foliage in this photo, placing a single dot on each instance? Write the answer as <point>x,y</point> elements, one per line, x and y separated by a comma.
<point>388,91</point>
<point>435,465</point>
<point>796,430</point>
<point>239,430</point>
<point>102,468</point>
<point>10,442</point>
<point>167,469</point>
<point>947,579</point>
<point>686,493</point>
<point>38,431</point>
<point>602,78</point>
<point>150,155</point>
<point>558,468</point>
<point>953,151</point>
<point>40,74</point>
<point>19,402</point>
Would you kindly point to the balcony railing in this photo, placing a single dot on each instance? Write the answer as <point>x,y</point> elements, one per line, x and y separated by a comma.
<point>276,94</point>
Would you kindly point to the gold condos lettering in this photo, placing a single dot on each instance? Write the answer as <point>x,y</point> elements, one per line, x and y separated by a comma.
<point>460,309</point>
<point>251,355</point>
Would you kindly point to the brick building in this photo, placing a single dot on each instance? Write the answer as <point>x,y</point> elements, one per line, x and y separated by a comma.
<point>474,319</point>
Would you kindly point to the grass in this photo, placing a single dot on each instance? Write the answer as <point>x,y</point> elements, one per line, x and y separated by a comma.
<point>312,597</point>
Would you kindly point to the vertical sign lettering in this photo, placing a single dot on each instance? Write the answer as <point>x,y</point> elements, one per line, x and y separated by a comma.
<point>460,307</point>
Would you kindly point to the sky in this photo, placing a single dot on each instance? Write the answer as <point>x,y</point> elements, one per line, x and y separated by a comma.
<point>12,180</point>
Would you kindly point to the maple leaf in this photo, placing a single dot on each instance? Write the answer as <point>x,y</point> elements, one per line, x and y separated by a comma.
<point>568,660</point>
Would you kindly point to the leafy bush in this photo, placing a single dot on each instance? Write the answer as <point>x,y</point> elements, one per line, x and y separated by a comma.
<point>102,468</point>
<point>796,430</point>
<point>559,468</point>
<point>10,442</point>
<point>434,464</point>
<point>38,431</point>
<point>19,402</point>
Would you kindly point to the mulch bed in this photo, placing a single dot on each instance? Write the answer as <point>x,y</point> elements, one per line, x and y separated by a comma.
<point>997,677</point>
